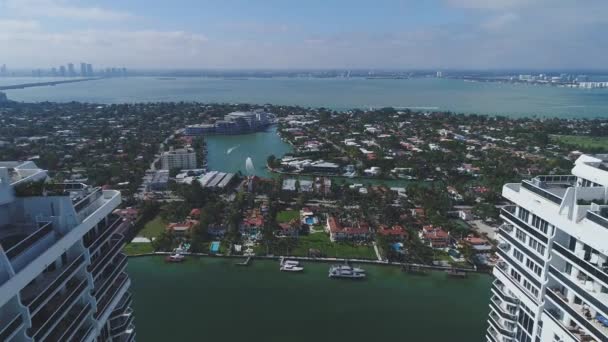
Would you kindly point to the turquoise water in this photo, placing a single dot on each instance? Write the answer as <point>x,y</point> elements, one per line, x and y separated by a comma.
<point>439,94</point>
<point>213,300</point>
<point>229,153</point>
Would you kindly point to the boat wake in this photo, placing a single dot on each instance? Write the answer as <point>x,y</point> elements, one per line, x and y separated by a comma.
<point>232,149</point>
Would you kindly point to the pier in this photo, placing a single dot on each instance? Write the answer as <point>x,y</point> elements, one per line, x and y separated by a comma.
<point>244,263</point>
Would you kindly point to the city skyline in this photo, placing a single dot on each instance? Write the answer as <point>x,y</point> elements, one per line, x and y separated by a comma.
<point>450,34</point>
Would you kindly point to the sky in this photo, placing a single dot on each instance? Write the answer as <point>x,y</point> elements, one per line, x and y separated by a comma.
<point>310,34</point>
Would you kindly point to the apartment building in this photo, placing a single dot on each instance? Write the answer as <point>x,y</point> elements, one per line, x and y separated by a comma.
<point>552,278</point>
<point>183,158</point>
<point>62,272</point>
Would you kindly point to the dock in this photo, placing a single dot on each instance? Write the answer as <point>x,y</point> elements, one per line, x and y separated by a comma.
<point>244,263</point>
<point>453,273</point>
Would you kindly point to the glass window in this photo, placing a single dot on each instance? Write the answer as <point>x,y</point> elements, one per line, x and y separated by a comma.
<point>520,235</point>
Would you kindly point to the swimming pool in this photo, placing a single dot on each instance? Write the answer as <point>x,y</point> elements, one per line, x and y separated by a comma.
<point>215,247</point>
<point>309,221</point>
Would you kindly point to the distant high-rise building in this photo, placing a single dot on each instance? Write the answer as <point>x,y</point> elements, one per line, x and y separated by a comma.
<point>3,70</point>
<point>439,74</point>
<point>62,71</point>
<point>89,70</point>
<point>54,72</point>
<point>83,69</point>
<point>124,72</point>
<point>71,71</point>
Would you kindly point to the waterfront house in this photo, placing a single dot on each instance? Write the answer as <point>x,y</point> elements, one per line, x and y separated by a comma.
<point>477,244</point>
<point>337,232</point>
<point>435,237</point>
<point>182,228</point>
<point>396,232</point>
<point>252,223</point>
<point>289,229</point>
<point>216,230</point>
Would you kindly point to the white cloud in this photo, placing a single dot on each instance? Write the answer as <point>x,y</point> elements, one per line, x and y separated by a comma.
<point>10,25</point>
<point>492,4</point>
<point>500,22</point>
<point>496,34</point>
<point>61,9</point>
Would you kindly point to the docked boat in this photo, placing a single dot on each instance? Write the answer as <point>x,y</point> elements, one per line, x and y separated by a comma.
<point>346,271</point>
<point>347,267</point>
<point>176,257</point>
<point>290,266</point>
<point>456,273</point>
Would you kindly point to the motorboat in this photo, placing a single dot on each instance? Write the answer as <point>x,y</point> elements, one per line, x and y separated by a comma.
<point>347,267</point>
<point>176,257</point>
<point>345,271</point>
<point>290,266</point>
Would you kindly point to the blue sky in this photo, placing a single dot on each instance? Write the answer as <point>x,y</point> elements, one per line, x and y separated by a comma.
<point>283,34</point>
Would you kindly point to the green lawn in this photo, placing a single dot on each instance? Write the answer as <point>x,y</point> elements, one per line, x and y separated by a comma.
<point>582,141</point>
<point>321,242</point>
<point>153,228</point>
<point>286,216</point>
<point>138,248</point>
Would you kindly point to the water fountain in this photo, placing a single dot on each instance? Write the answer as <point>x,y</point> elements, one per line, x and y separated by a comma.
<point>249,166</point>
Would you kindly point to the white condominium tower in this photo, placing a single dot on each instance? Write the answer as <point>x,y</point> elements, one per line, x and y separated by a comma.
<point>552,278</point>
<point>62,273</point>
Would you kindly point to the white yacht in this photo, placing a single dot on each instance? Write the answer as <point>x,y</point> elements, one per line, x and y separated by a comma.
<point>345,271</point>
<point>290,266</point>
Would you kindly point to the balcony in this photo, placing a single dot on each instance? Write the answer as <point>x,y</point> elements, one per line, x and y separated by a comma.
<point>500,328</point>
<point>121,327</point>
<point>576,333</point>
<point>123,305</point>
<point>103,236</point>
<point>500,290</point>
<point>120,264</point>
<point>589,297</point>
<point>502,312</point>
<point>105,256</point>
<point>598,218</point>
<point>508,213</point>
<point>11,328</point>
<point>70,324</point>
<point>83,334</point>
<point>56,308</point>
<point>47,285</point>
<point>595,271</point>
<point>507,227</point>
<point>504,246</point>
<point>104,302</point>
<point>551,192</point>
<point>492,335</point>
<point>582,316</point>
<point>43,238</point>
<point>89,204</point>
